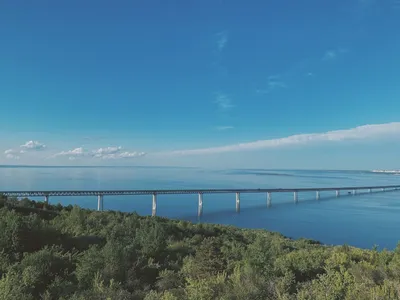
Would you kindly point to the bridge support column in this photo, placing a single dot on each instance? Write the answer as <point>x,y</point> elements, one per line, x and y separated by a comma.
<point>383,189</point>
<point>100,202</point>
<point>354,192</point>
<point>237,202</point>
<point>337,193</point>
<point>154,205</point>
<point>317,195</point>
<point>200,208</point>
<point>269,199</point>
<point>369,190</point>
<point>46,201</point>
<point>295,198</point>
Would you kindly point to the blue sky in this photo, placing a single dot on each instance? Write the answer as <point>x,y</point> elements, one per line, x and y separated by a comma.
<point>142,82</point>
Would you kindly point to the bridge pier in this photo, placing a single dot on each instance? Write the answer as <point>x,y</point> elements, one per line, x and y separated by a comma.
<point>383,189</point>
<point>295,198</point>
<point>200,208</point>
<point>154,205</point>
<point>354,192</point>
<point>269,199</point>
<point>46,201</point>
<point>100,202</point>
<point>369,190</point>
<point>317,195</point>
<point>237,202</point>
<point>337,193</point>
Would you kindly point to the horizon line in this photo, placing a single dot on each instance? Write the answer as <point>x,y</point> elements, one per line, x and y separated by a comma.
<point>181,167</point>
<point>86,166</point>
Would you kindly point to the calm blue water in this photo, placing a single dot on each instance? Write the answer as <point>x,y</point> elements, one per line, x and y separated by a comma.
<point>362,220</point>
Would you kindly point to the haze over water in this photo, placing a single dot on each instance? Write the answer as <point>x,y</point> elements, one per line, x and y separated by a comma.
<point>362,220</point>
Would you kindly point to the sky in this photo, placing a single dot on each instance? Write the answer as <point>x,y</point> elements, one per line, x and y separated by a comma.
<point>251,84</point>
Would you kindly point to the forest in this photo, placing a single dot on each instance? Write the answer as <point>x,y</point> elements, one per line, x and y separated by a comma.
<point>55,252</point>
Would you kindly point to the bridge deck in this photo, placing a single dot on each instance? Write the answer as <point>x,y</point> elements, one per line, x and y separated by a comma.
<point>183,191</point>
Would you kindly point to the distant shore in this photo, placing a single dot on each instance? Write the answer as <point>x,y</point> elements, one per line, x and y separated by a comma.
<point>387,171</point>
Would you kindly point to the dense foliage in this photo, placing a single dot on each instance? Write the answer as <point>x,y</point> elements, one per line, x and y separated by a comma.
<point>70,253</point>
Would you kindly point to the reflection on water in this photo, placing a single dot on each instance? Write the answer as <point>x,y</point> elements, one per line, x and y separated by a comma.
<point>361,220</point>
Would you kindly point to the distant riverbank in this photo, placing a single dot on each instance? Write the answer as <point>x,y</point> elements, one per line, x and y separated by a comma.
<point>395,172</point>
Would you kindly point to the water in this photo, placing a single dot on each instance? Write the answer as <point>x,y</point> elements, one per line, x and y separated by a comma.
<point>363,220</point>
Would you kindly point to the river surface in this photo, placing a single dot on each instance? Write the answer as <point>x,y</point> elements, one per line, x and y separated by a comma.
<point>363,220</point>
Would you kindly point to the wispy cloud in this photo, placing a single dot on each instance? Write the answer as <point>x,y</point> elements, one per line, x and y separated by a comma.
<point>103,153</point>
<point>223,128</point>
<point>333,54</point>
<point>222,40</point>
<point>329,55</point>
<point>358,133</point>
<point>296,72</point>
<point>273,83</point>
<point>223,101</point>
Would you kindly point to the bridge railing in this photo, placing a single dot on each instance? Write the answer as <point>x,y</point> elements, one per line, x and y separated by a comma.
<point>101,193</point>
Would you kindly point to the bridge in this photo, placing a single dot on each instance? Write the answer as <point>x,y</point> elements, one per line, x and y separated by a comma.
<point>200,192</point>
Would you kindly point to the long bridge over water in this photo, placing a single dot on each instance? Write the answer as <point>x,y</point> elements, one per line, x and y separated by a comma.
<point>200,192</point>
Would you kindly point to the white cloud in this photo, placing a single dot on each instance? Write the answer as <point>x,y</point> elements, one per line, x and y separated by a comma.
<point>357,133</point>
<point>121,155</point>
<point>33,145</point>
<point>106,151</point>
<point>223,101</point>
<point>115,153</point>
<point>77,152</point>
<point>222,128</point>
<point>9,151</point>
<point>131,154</point>
<point>222,39</point>
<point>28,146</point>
<point>118,154</point>
<point>103,153</point>
<point>13,154</point>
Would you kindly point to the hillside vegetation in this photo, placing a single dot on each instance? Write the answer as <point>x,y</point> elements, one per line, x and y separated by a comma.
<point>73,253</point>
